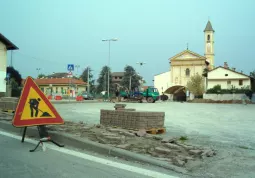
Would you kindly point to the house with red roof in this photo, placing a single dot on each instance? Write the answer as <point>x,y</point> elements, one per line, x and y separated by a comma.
<point>228,78</point>
<point>61,86</point>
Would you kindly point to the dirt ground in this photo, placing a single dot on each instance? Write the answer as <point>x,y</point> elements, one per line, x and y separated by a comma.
<point>226,128</point>
<point>170,149</point>
<point>173,150</point>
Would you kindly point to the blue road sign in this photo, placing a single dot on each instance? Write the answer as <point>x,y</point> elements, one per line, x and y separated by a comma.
<point>70,67</point>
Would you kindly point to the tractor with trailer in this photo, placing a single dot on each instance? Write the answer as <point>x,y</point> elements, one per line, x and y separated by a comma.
<point>151,95</point>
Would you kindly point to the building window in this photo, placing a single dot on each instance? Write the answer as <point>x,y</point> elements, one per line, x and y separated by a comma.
<point>226,75</point>
<point>116,77</point>
<point>229,82</point>
<point>120,77</point>
<point>56,89</point>
<point>208,37</point>
<point>240,82</point>
<point>187,72</point>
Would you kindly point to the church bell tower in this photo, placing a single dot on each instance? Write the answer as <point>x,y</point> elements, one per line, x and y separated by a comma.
<point>209,43</point>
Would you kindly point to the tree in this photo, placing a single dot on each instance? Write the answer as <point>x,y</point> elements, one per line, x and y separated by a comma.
<point>205,72</point>
<point>196,85</point>
<point>15,75</point>
<point>41,76</point>
<point>103,80</point>
<point>15,80</point>
<point>84,77</point>
<point>252,75</point>
<point>130,72</point>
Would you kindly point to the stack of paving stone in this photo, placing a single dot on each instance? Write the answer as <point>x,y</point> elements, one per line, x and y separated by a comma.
<point>132,119</point>
<point>8,103</point>
<point>122,107</point>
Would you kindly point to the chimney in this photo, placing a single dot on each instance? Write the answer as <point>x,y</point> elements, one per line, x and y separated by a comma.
<point>226,65</point>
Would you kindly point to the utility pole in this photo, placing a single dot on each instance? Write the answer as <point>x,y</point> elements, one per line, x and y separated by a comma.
<point>88,80</point>
<point>38,72</point>
<point>77,67</point>
<point>130,83</point>
<point>105,82</point>
<point>11,58</point>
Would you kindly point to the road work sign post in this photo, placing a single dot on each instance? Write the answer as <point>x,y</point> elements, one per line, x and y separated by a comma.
<point>34,109</point>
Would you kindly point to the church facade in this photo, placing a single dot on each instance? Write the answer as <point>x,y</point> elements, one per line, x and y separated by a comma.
<point>185,64</point>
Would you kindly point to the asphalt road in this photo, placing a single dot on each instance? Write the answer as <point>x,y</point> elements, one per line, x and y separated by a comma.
<point>16,161</point>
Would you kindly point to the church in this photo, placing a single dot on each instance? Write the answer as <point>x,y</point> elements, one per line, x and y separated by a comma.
<point>187,63</point>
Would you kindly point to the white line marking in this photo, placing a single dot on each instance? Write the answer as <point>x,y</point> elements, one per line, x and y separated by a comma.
<point>95,159</point>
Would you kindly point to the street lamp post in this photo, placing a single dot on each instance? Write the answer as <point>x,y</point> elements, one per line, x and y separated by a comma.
<point>141,64</point>
<point>77,67</point>
<point>109,57</point>
<point>38,71</point>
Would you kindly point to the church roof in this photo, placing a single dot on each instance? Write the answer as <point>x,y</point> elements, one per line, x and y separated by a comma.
<point>229,70</point>
<point>208,27</point>
<point>187,54</point>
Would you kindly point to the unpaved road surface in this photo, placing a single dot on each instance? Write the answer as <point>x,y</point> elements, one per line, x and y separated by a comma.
<point>228,128</point>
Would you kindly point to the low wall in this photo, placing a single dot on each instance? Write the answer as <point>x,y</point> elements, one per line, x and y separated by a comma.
<point>8,103</point>
<point>221,97</point>
<point>132,119</point>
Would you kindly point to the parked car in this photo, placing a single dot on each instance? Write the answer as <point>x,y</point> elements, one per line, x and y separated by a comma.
<point>87,96</point>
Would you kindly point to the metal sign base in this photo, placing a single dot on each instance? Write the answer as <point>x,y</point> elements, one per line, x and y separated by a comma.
<point>44,135</point>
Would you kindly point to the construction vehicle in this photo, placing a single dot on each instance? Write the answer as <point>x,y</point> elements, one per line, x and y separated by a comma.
<point>151,95</point>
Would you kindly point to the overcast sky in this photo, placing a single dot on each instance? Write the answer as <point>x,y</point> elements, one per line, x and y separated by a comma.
<point>53,33</point>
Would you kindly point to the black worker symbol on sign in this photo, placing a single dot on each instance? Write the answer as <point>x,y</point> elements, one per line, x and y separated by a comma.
<point>34,106</point>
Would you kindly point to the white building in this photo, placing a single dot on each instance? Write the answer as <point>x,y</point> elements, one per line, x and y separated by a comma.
<point>5,45</point>
<point>227,78</point>
<point>162,81</point>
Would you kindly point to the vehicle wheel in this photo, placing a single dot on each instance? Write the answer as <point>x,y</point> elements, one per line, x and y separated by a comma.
<point>150,100</point>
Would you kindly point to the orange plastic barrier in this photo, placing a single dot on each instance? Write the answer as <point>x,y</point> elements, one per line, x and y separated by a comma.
<point>58,97</point>
<point>79,98</point>
<point>49,97</point>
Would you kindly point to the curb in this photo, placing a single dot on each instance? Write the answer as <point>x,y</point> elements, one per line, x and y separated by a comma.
<point>73,101</point>
<point>89,145</point>
<point>8,110</point>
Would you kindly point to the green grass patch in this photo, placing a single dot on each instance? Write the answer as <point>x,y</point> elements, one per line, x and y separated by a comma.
<point>244,147</point>
<point>183,138</point>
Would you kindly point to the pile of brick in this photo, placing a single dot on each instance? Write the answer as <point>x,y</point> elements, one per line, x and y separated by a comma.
<point>122,107</point>
<point>132,119</point>
<point>8,103</point>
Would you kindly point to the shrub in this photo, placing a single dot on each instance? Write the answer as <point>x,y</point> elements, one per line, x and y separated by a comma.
<point>217,90</point>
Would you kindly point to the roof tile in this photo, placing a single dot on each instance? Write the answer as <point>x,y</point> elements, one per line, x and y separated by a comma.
<point>47,81</point>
